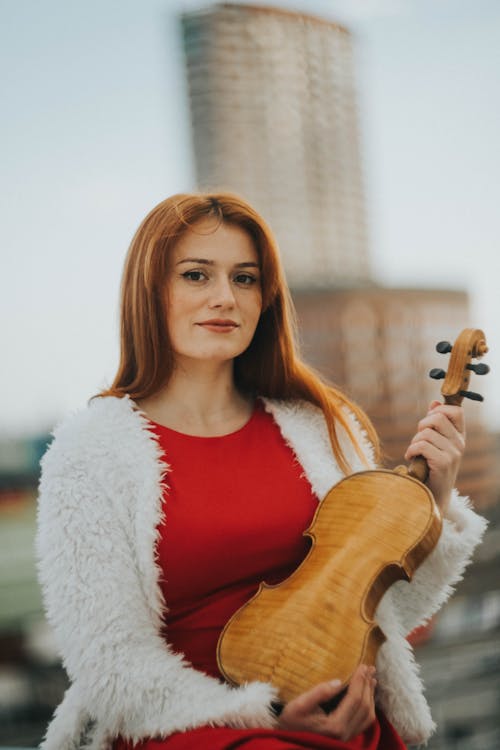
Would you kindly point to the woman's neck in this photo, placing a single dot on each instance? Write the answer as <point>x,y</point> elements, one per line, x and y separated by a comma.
<point>201,400</point>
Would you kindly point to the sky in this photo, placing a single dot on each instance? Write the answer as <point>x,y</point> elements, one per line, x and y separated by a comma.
<point>95,131</point>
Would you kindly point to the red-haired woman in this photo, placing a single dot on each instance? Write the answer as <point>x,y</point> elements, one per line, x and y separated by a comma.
<point>167,501</point>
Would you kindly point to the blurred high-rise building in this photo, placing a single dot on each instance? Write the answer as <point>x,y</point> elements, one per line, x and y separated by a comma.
<point>379,345</point>
<point>274,118</point>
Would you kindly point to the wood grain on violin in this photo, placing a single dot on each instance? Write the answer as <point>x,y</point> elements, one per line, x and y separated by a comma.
<point>371,529</point>
<point>311,627</point>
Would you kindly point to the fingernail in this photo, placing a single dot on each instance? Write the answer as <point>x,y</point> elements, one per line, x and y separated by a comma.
<point>335,683</point>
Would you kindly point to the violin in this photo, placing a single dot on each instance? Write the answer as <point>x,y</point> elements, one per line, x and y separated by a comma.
<point>371,529</point>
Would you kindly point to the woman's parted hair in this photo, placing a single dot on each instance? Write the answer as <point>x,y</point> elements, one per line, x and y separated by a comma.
<point>270,366</point>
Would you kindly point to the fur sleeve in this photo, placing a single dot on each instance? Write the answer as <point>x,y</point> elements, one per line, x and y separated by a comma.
<point>127,676</point>
<point>434,581</point>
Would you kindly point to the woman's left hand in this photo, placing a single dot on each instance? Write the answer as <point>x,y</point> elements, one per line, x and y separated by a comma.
<point>440,439</point>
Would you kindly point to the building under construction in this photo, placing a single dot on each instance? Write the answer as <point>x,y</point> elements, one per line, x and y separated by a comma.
<point>274,117</point>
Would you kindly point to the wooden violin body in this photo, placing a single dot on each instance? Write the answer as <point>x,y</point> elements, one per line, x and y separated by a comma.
<point>371,529</point>
<point>293,634</point>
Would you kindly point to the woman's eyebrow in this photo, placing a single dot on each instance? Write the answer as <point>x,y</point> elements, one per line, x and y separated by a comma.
<point>206,262</point>
<point>196,260</point>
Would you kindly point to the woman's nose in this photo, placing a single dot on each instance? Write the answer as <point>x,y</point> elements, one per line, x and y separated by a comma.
<point>222,294</point>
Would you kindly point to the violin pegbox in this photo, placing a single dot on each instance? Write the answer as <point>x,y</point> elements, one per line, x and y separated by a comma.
<point>470,344</point>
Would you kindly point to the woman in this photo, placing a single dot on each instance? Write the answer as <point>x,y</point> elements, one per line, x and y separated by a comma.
<point>167,501</point>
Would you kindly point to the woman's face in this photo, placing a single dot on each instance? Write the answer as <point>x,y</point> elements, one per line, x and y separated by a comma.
<point>214,292</point>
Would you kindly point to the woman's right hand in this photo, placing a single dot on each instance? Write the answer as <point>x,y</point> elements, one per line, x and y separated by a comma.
<point>354,714</point>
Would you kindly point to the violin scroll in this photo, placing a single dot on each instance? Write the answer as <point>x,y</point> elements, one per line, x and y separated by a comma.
<point>470,344</point>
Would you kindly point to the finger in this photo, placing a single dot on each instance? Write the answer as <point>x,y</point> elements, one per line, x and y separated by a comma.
<point>435,447</point>
<point>439,431</point>
<point>455,414</point>
<point>365,714</point>
<point>442,422</point>
<point>453,444</point>
<point>443,462</point>
<point>343,722</point>
<point>309,701</point>
<point>357,714</point>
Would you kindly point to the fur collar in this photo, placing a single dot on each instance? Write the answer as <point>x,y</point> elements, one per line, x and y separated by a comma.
<point>105,467</point>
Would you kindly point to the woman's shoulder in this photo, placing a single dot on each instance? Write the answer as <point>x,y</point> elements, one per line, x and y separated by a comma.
<point>103,424</point>
<point>296,410</point>
<point>306,421</point>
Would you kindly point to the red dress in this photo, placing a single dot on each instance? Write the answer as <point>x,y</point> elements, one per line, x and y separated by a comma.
<point>235,512</point>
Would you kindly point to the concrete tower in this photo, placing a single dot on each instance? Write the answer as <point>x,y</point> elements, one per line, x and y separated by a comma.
<point>274,118</point>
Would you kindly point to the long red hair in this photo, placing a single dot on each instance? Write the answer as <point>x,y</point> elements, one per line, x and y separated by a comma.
<point>271,366</point>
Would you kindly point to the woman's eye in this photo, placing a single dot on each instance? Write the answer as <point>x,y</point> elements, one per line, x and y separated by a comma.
<point>245,278</point>
<point>194,275</point>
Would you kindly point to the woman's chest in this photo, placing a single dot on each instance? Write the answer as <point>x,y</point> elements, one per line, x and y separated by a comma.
<point>234,511</point>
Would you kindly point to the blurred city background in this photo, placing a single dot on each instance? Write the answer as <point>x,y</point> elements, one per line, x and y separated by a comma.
<point>366,132</point>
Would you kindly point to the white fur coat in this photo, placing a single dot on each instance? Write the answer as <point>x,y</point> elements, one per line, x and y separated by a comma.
<point>99,507</point>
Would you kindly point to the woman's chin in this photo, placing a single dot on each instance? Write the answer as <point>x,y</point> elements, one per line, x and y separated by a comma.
<point>216,357</point>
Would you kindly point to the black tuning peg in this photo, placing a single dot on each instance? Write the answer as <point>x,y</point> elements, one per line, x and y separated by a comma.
<point>479,369</point>
<point>473,396</point>
<point>437,374</point>
<point>443,347</point>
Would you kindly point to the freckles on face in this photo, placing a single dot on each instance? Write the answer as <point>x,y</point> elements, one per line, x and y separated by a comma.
<point>214,295</point>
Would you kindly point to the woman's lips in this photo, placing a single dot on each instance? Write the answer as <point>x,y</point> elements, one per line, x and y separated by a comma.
<point>219,326</point>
